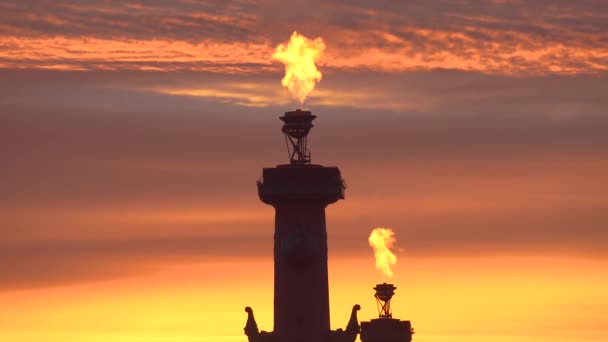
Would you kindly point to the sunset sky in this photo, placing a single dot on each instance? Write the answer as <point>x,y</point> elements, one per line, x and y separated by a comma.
<point>132,134</point>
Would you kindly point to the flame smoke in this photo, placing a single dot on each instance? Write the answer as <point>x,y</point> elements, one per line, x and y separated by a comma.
<point>381,240</point>
<point>299,57</point>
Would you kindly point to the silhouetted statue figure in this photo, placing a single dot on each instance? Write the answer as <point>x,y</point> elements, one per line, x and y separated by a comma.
<point>251,329</point>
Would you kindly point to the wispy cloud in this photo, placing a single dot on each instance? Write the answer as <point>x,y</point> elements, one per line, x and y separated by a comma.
<point>238,37</point>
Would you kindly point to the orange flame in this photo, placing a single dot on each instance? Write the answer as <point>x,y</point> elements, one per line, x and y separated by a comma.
<point>299,57</point>
<point>381,240</point>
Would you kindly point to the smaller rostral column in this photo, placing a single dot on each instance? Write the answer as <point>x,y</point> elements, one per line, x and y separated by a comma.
<point>385,328</point>
<point>299,192</point>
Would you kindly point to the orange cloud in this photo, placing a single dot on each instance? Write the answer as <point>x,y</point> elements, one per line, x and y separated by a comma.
<point>493,37</point>
<point>388,53</point>
<point>96,53</point>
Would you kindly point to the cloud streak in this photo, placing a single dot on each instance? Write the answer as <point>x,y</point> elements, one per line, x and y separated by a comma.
<point>238,37</point>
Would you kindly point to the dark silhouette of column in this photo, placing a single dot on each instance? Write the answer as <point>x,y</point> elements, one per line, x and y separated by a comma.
<point>299,192</point>
<point>385,328</point>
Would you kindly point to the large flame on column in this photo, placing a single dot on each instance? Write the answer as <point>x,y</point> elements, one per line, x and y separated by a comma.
<point>299,56</point>
<point>381,240</point>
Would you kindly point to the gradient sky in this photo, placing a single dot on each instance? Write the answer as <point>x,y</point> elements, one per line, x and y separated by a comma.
<point>132,134</point>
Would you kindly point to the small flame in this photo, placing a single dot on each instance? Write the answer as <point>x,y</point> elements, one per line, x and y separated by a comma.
<point>381,240</point>
<point>299,57</point>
